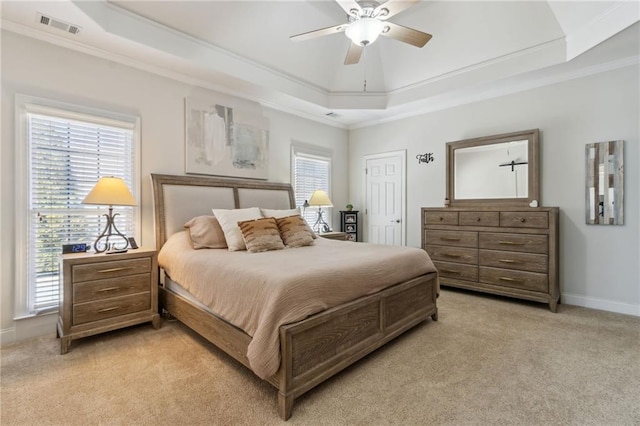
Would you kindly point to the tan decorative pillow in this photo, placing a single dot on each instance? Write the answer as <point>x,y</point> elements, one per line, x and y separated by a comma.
<point>295,231</point>
<point>286,213</point>
<point>261,235</point>
<point>205,232</point>
<point>229,222</point>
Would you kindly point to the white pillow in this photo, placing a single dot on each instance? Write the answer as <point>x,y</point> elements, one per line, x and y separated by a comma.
<point>229,222</point>
<point>280,213</point>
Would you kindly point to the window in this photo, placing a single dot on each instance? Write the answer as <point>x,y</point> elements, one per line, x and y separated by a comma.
<point>311,171</point>
<point>63,154</point>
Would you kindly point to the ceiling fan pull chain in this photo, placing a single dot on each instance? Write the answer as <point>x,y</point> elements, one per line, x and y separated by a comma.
<point>364,64</point>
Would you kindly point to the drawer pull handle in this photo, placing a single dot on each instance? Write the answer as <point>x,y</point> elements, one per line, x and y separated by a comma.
<point>449,239</point>
<point>455,256</point>
<point>478,219</point>
<point>101,311</point>
<point>510,279</point>
<point>523,220</point>
<point>102,290</point>
<point>510,243</point>
<point>449,271</point>
<point>104,271</point>
<point>508,261</point>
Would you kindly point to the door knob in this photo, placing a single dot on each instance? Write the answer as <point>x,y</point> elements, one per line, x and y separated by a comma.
<point>396,221</point>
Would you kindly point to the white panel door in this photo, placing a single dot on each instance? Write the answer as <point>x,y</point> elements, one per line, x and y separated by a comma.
<point>384,180</point>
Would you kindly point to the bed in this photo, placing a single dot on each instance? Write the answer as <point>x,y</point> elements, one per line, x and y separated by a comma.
<point>309,349</point>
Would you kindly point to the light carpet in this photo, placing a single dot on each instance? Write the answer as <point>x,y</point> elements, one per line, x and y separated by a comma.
<point>487,361</point>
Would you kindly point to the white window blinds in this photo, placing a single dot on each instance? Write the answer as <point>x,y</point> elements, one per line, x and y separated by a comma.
<point>66,158</point>
<point>311,172</point>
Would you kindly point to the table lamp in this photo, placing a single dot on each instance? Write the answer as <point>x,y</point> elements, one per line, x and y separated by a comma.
<point>111,191</point>
<point>321,199</point>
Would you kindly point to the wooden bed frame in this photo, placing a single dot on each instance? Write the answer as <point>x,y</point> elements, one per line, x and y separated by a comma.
<point>315,348</point>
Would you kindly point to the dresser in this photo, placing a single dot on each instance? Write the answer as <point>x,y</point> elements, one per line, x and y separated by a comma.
<point>104,292</point>
<point>506,251</point>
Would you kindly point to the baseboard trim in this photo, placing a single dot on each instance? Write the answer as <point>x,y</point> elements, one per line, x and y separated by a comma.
<point>601,304</point>
<point>8,335</point>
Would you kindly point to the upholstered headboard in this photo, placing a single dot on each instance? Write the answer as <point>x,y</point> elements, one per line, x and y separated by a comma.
<point>179,198</point>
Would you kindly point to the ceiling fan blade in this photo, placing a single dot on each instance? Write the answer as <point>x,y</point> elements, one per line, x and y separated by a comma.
<point>393,7</point>
<point>407,35</point>
<point>348,5</point>
<point>319,33</point>
<point>353,54</point>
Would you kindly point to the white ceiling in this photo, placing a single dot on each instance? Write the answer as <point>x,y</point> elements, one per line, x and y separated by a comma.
<point>479,49</point>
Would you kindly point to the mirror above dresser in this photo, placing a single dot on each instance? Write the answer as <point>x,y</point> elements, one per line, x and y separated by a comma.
<point>494,170</point>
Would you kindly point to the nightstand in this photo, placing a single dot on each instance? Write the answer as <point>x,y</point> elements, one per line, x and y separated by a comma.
<point>342,236</point>
<point>104,292</point>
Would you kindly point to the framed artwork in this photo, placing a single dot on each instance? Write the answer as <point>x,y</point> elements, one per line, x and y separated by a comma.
<point>350,228</point>
<point>604,192</point>
<point>351,237</point>
<point>226,137</point>
<point>350,218</point>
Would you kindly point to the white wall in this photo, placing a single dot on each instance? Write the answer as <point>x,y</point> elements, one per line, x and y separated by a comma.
<point>39,69</point>
<point>599,265</point>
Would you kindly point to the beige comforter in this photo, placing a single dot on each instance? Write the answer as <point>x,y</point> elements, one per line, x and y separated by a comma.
<point>259,292</point>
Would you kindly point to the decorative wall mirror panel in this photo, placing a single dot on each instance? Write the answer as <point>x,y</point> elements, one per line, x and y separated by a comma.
<point>605,180</point>
<point>500,170</point>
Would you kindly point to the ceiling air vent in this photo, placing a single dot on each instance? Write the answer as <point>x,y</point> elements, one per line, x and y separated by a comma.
<point>58,24</point>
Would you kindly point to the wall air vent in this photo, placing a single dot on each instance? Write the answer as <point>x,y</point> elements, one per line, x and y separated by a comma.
<point>58,24</point>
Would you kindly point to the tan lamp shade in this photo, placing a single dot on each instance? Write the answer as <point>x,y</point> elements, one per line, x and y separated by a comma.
<point>320,198</point>
<point>111,191</point>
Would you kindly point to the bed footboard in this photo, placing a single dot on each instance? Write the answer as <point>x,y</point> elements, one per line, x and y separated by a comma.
<point>322,345</point>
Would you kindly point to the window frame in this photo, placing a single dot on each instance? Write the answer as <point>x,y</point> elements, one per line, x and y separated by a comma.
<point>299,149</point>
<point>25,104</point>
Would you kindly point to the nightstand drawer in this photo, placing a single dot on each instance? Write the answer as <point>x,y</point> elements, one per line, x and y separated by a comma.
<point>113,287</point>
<point>109,308</point>
<point>116,268</point>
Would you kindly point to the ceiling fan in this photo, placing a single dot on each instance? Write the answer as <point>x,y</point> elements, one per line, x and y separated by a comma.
<point>367,19</point>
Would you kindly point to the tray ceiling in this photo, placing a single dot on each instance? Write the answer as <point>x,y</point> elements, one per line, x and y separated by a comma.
<point>478,49</point>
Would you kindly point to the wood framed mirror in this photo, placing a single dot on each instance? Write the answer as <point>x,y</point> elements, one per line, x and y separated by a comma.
<point>499,170</point>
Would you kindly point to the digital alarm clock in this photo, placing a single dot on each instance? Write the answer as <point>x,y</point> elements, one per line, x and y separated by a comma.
<point>75,248</point>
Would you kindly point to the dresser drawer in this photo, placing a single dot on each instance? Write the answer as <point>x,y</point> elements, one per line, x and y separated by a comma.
<point>513,260</point>
<point>458,271</point>
<point>111,287</point>
<point>109,308</point>
<point>514,242</point>
<point>524,219</point>
<point>440,218</point>
<point>453,254</point>
<point>514,279</point>
<point>480,218</point>
<point>451,238</point>
<point>118,268</point>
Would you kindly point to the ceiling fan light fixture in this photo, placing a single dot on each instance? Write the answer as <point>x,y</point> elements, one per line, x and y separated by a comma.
<point>364,31</point>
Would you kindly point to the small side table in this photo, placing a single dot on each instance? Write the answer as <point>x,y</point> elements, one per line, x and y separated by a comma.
<point>342,236</point>
<point>104,292</point>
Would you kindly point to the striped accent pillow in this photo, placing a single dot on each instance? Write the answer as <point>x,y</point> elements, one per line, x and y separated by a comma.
<point>295,231</point>
<point>261,235</point>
